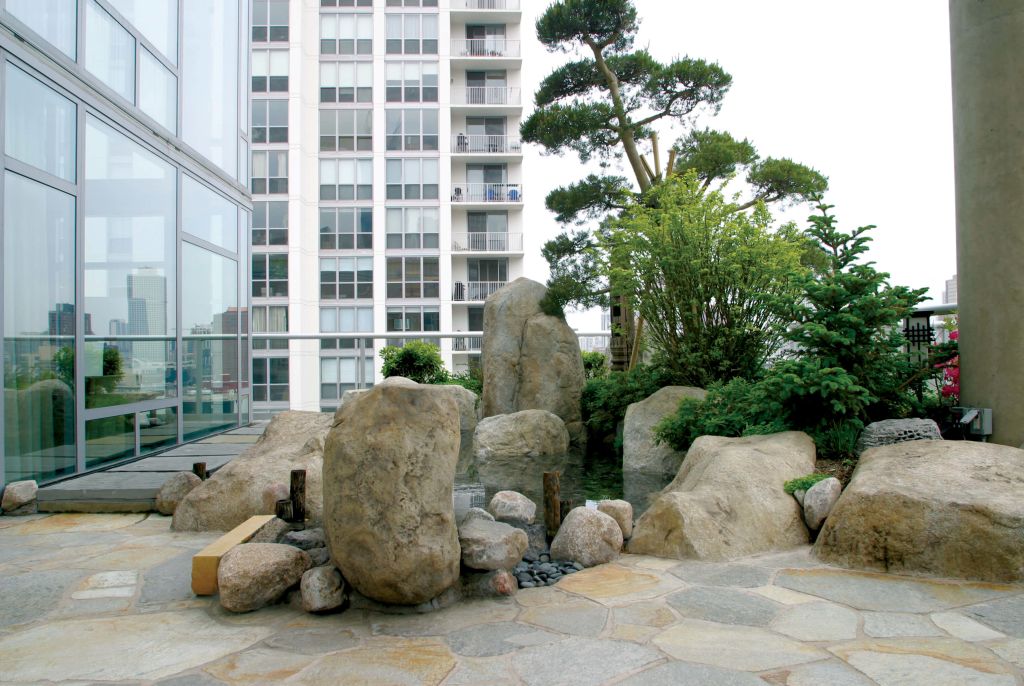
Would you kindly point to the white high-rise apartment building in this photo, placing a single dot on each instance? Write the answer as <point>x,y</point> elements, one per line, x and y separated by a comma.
<point>387,180</point>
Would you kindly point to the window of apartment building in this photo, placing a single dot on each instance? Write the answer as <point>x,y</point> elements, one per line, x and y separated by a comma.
<point>340,374</point>
<point>269,71</point>
<point>346,228</point>
<point>412,179</point>
<point>411,3</point>
<point>269,172</point>
<point>269,21</point>
<point>413,277</point>
<point>269,319</point>
<point>412,318</point>
<point>109,51</point>
<point>346,179</point>
<point>346,82</point>
<point>346,34</point>
<point>488,270</point>
<point>347,3</point>
<point>270,379</point>
<point>346,320</point>
<point>412,130</point>
<point>269,121</point>
<point>346,278</point>
<point>346,130</point>
<point>412,227</point>
<point>411,82</point>
<point>487,222</point>
<point>270,222</point>
<point>270,275</point>
<point>411,34</point>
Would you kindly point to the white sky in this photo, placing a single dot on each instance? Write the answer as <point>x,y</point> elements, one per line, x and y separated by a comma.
<point>858,90</point>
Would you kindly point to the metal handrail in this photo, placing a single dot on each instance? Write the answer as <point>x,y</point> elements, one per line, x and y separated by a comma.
<point>487,242</point>
<point>485,47</point>
<point>488,192</point>
<point>486,143</point>
<point>492,95</point>
<point>475,291</point>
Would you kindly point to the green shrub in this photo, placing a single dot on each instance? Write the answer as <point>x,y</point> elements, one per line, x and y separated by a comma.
<point>803,483</point>
<point>470,380</point>
<point>606,398</point>
<point>416,360</point>
<point>848,367</point>
<point>595,365</point>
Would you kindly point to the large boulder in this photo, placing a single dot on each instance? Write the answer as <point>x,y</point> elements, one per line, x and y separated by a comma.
<point>530,360</point>
<point>469,414</point>
<point>512,451</point>
<point>292,440</point>
<point>728,500</point>
<point>389,470</point>
<point>252,575</point>
<point>640,450</point>
<point>942,508</point>
<point>889,431</point>
<point>587,536</point>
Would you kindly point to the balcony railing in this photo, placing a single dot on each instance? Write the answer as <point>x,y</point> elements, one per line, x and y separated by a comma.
<point>468,344</point>
<point>487,192</point>
<point>485,5</point>
<point>487,242</point>
<point>491,95</point>
<point>473,291</point>
<point>484,47</point>
<point>483,144</point>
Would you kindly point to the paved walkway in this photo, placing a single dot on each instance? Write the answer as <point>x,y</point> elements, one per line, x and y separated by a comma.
<point>132,487</point>
<point>105,598</point>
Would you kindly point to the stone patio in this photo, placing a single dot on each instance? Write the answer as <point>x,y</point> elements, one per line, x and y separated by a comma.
<point>105,599</point>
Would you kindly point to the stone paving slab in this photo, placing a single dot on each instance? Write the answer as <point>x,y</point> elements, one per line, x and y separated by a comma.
<point>106,486</point>
<point>201,449</point>
<point>79,590</point>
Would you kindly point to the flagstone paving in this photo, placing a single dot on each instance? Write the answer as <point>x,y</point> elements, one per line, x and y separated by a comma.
<point>92,599</point>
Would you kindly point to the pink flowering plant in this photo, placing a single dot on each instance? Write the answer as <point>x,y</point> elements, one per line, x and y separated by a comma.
<point>947,356</point>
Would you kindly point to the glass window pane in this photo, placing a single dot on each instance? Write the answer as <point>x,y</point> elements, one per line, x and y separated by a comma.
<point>109,439</point>
<point>158,91</point>
<point>109,51</point>
<point>54,20</point>
<point>40,125</point>
<point>210,53</point>
<point>208,215</point>
<point>39,296</point>
<point>157,429</point>
<point>157,20</point>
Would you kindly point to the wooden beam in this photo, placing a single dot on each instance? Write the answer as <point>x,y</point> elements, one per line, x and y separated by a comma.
<point>206,562</point>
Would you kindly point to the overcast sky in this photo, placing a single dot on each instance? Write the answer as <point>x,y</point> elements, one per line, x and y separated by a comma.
<point>858,90</point>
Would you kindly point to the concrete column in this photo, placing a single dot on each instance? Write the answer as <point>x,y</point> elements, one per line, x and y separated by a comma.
<point>987,41</point>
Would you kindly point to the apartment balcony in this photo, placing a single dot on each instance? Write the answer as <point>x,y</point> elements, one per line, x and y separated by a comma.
<point>487,10</point>
<point>474,291</point>
<point>499,243</point>
<point>470,195</point>
<point>486,53</point>
<point>493,148</point>
<point>487,99</point>
<point>467,344</point>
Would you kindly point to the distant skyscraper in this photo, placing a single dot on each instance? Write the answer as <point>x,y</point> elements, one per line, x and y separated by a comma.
<point>949,295</point>
<point>147,303</point>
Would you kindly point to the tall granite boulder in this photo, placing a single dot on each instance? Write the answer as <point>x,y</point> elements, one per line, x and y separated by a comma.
<point>530,360</point>
<point>728,500</point>
<point>292,440</point>
<point>389,471</point>
<point>640,450</point>
<point>937,508</point>
<point>469,414</point>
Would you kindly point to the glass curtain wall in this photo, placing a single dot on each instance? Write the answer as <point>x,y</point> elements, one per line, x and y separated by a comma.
<point>124,252</point>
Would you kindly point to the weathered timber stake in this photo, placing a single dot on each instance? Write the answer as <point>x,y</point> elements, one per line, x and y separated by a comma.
<point>564,508</point>
<point>284,510</point>
<point>199,469</point>
<point>552,509</point>
<point>297,495</point>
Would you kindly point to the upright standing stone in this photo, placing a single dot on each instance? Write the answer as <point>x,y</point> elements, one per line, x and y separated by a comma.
<point>640,450</point>
<point>389,471</point>
<point>530,360</point>
<point>987,48</point>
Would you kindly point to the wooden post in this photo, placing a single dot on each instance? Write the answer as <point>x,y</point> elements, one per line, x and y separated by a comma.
<point>565,508</point>
<point>284,510</point>
<point>297,496</point>
<point>552,509</point>
<point>199,469</point>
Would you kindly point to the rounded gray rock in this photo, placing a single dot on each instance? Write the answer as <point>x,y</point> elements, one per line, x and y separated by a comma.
<point>819,501</point>
<point>588,537</point>
<point>173,490</point>
<point>19,495</point>
<point>491,545</point>
<point>252,575</point>
<point>510,506</point>
<point>322,589</point>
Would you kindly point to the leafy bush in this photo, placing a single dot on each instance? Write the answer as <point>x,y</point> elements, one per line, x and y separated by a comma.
<point>606,398</point>
<point>803,483</point>
<point>595,365</point>
<point>470,380</point>
<point>847,367</point>
<point>416,360</point>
